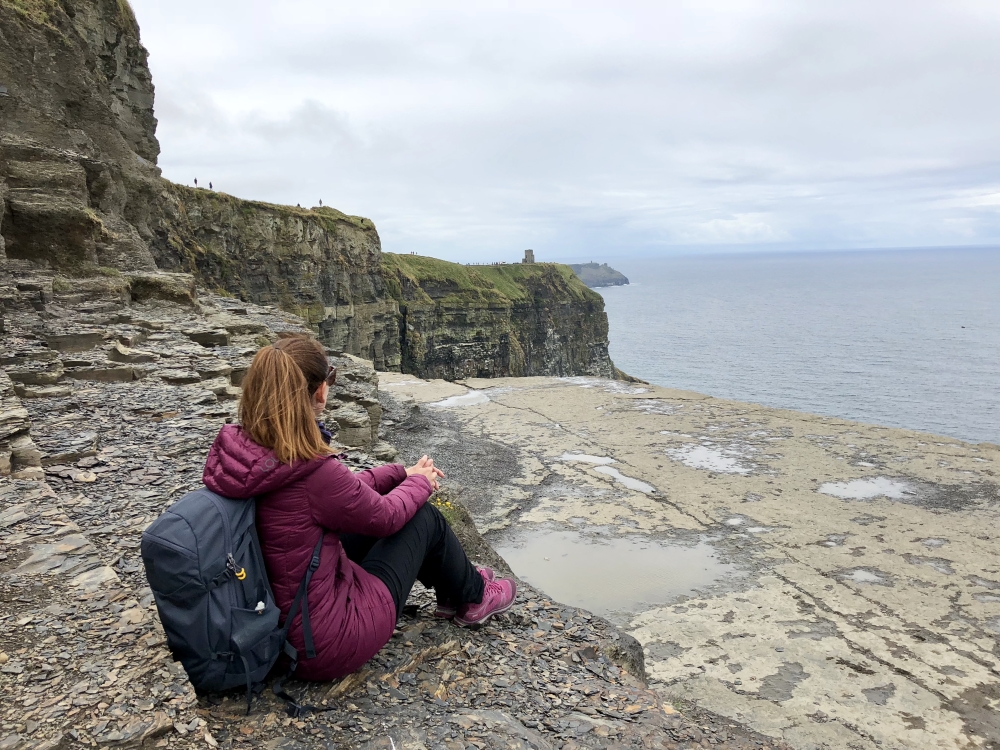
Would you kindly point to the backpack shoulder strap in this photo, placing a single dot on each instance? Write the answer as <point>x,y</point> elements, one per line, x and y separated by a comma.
<point>301,599</point>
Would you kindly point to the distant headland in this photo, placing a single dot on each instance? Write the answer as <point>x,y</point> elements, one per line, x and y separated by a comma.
<point>595,275</point>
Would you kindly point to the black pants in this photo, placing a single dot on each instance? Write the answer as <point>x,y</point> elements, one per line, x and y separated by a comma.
<point>425,550</point>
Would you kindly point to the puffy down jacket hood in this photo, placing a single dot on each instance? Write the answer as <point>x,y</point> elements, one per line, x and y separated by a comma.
<point>239,468</point>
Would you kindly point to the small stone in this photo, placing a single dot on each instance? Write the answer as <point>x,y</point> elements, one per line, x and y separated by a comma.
<point>4,658</point>
<point>85,476</point>
<point>209,337</point>
<point>48,391</point>
<point>121,353</point>
<point>176,376</point>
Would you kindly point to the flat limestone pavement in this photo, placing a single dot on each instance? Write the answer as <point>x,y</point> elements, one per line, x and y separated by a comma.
<point>859,600</point>
<point>111,391</point>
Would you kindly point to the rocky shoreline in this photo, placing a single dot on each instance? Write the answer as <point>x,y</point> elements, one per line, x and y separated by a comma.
<point>829,583</point>
<point>112,390</point>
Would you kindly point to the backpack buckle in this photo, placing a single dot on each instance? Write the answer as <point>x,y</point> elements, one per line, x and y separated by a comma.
<point>240,574</point>
<point>314,562</point>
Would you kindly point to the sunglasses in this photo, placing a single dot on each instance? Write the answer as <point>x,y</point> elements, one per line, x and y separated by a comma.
<point>331,376</point>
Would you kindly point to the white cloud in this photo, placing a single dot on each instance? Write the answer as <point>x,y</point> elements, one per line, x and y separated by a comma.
<point>471,131</point>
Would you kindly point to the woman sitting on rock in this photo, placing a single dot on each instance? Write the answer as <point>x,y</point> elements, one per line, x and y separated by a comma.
<point>379,533</point>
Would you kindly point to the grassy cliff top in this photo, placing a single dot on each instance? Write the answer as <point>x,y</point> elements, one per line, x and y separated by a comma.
<point>418,278</point>
<point>216,202</point>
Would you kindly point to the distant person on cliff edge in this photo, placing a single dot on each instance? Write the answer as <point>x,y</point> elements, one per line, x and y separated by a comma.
<point>378,532</point>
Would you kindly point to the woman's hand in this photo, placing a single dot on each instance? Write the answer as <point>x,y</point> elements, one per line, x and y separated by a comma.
<point>425,467</point>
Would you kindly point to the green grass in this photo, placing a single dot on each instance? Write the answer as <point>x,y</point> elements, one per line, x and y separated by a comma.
<point>515,279</point>
<point>328,218</point>
<point>437,281</point>
<point>125,13</point>
<point>43,12</point>
<point>36,11</point>
<point>448,509</point>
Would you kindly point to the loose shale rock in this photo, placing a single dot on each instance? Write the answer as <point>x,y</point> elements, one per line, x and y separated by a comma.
<point>82,656</point>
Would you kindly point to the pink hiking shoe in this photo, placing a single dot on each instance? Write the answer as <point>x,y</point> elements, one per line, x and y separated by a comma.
<point>446,610</point>
<point>498,597</point>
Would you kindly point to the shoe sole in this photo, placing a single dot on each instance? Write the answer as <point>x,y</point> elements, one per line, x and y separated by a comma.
<point>472,623</point>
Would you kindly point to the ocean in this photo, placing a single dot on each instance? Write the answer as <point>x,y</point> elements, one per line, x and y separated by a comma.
<point>900,338</point>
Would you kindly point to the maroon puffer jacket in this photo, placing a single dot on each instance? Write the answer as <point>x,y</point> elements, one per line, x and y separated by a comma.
<point>351,612</point>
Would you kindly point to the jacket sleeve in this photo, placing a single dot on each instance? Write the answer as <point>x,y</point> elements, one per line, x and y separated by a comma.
<point>382,479</point>
<point>340,501</point>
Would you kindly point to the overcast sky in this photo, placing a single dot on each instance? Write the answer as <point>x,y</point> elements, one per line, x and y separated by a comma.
<point>472,130</point>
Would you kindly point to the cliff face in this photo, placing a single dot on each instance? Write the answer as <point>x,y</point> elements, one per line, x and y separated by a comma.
<point>597,275</point>
<point>80,192</point>
<point>77,135</point>
<point>320,264</point>
<point>493,321</point>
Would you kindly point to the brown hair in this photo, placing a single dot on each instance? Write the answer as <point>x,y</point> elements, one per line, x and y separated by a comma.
<point>276,405</point>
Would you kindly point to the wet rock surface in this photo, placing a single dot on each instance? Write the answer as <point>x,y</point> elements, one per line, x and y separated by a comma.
<point>864,609</point>
<point>120,429</point>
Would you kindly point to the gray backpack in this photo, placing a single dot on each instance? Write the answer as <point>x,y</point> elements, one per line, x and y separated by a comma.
<point>205,568</point>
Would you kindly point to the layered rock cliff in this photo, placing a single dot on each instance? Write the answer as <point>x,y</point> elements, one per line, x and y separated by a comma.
<point>493,321</point>
<point>320,264</point>
<point>77,135</point>
<point>597,275</point>
<point>80,194</point>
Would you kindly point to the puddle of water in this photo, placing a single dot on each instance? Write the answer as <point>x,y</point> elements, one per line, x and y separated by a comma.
<point>632,484</point>
<point>652,406</point>
<point>587,459</point>
<point>610,386</point>
<point>860,575</point>
<point>466,399</point>
<point>938,564</point>
<point>867,489</point>
<point>933,543</point>
<point>611,574</point>
<point>703,457</point>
